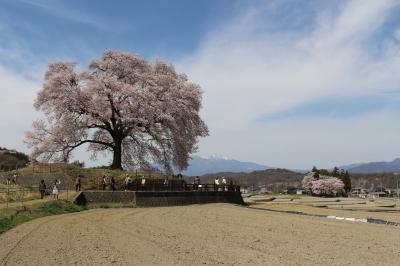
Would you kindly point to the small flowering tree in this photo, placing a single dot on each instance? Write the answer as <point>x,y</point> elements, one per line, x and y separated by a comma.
<point>141,112</point>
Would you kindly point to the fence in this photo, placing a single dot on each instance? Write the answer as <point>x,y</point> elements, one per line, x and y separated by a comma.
<point>14,194</point>
<point>20,186</point>
<point>175,185</point>
<point>31,179</point>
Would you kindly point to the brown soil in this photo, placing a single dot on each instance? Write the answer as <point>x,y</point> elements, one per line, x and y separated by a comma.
<point>344,207</point>
<point>213,234</point>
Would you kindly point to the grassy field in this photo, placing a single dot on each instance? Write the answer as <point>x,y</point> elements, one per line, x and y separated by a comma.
<point>19,195</point>
<point>25,205</point>
<point>15,215</point>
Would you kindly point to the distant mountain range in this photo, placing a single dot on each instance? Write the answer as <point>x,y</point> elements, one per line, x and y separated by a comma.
<point>374,167</point>
<point>200,166</point>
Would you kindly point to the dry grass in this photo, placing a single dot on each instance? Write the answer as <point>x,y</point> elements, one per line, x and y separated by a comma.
<point>34,198</point>
<point>16,193</point>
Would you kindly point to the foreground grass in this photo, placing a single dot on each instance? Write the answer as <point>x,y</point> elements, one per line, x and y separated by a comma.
<point>12,217</point>
<point>34,200</point>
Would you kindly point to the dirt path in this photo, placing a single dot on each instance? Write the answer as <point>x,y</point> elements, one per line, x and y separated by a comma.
<point>213,234</point>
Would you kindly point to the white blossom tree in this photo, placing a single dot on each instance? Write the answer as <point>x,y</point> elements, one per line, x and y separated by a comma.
<point>324,186</point>
<point>330,186</point>
<point>307,181</point>
<point>142,112</point>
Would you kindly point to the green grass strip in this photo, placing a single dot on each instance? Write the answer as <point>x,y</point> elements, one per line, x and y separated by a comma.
<point>25,214</point>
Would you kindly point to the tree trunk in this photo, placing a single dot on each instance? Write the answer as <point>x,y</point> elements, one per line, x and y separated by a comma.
<point>117,156</point>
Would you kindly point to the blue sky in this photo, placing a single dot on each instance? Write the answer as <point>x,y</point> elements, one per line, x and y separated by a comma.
<point>81,30</point>
<point>286,83</point>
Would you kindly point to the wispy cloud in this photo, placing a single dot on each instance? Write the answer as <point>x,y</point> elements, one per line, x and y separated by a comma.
<point>259,64</point>
<point>58,9</point>
<point>272,71</point>
<point>274,58</point>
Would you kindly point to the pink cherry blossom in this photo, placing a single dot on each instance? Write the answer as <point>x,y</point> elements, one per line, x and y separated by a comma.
<point>142,112</point>
<point>325,186</point>
<point>330,186</point>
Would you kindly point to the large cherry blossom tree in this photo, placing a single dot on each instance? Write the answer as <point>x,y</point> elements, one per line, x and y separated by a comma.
<point>143,112</point>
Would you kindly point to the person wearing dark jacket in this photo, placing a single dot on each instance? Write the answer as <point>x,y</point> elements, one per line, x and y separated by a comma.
<point>78,184</point>
<point>42,188</point>
<point>113,183</point>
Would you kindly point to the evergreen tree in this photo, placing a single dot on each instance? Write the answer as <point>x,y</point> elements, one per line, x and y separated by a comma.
<point>347,181</point>
<point>342,173</point>
<point>335,172</point>
<point>323,172</point>
<point>316,172</point>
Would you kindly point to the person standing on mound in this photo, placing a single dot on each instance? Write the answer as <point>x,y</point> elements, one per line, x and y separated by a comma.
<point>104,182</point>
<point>56,189</point>
<point>196,183</point>
<point>42,188</point>
<point>78,184</point>
<point>112,183</point>
<point>223,184</point>
<point>216,184</point>
<point>14,179</point>
<point>127,182</point>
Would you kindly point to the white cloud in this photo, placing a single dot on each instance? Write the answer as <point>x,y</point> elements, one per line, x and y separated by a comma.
<point>397,34</point>
<point>254,66</point>
<point>248,69</point>
<point>17,94</point>
<point>247,73</point>
<point>17,112</point>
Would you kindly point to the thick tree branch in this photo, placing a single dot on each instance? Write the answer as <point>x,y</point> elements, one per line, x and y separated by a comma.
<point>90,141</point>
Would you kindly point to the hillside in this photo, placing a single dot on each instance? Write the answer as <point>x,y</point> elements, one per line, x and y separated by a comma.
<point>375,167</point>
<point>370,180</point>
<point>67,173</point>
<point>200,166</point>
<point>12,159</point>
<point>283,178</point>
<point>278,178</point>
